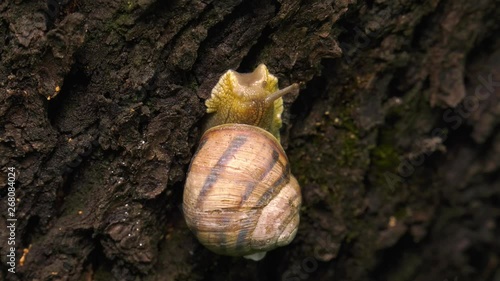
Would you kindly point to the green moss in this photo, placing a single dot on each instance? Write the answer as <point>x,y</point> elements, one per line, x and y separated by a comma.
<point>305,164</point>
<point>124,20</point>
<point>349,151</point>
<point>383,173</point>
<point>130,5</point>
<point>347,122</point>
<point>385,157</point>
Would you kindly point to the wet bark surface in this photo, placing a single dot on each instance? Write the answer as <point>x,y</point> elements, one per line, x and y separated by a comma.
<point>394,136</point>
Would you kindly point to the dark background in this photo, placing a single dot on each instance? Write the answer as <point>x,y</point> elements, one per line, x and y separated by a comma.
<point>394,136</point>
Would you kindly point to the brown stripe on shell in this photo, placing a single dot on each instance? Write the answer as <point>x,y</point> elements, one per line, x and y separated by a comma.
<point>240,240</point>
<point>283,224</point>
<point>264,200</point>
<point>244,231</point>
<point>275,188</point>
<point>220,166</point>
<point>269,166</point>
<point>222,238</point>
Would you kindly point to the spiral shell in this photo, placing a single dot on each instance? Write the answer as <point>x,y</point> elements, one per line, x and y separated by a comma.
<point>240,197</point>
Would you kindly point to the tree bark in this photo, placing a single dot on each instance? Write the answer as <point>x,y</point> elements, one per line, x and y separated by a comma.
<point>394,136</point>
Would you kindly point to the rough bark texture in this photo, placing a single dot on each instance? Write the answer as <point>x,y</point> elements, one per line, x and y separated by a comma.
<point>394,136</point>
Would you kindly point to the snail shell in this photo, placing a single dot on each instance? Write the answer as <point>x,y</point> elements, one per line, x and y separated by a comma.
<point>240,197</point>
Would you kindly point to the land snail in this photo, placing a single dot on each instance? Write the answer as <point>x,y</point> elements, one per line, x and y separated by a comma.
<point>240,198</point>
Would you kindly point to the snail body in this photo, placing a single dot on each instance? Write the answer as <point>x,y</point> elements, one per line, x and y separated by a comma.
<point>240,198</point>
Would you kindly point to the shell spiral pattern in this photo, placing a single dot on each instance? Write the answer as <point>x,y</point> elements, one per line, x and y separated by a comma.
<point>240,197</point>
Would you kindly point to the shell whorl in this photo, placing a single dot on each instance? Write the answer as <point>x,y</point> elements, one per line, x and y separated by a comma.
<point>240,197</point>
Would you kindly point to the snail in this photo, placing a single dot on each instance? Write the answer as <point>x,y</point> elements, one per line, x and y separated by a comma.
<point>240,198</point>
